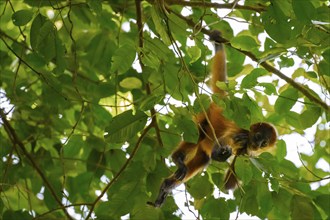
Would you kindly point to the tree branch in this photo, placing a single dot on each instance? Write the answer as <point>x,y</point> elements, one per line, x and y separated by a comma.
<point>16,141</point>
<point>264,64</point>
<point>203,4</point>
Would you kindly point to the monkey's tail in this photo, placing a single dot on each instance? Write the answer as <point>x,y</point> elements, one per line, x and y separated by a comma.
<point>219,66</point>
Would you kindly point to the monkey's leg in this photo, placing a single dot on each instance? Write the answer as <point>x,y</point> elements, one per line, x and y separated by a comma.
<point>197,164</point>
<point>180,155</point>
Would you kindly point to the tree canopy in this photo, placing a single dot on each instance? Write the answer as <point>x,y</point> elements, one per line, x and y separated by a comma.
<point>96,94</point>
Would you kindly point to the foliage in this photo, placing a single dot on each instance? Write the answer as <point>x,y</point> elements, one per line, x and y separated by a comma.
<point>91,105</point>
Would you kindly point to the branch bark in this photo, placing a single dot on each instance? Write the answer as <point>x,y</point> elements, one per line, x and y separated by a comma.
<point>258,8</point>
<point>17,142</point>
<point>264,64</point>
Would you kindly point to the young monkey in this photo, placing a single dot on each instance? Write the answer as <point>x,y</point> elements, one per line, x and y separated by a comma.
<point>219,137</point>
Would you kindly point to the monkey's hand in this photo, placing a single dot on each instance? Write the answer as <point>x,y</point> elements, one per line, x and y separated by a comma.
<point>221,153</point>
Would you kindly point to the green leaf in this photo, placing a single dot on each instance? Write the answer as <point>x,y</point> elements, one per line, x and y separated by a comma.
<point>305,12</point>
<point>123,58</point>
<point>243,169</point>
<point>160,26</point>
<point>131,83</point>
<point>211,209</point>
<point>251,80</point>
<point>244,43</point>
<point>202,103</point>
<point>22,17</point>
<point>310,116</point>
<point>276,23</point>
<point>323,201</point>
<point>194,53</point>
<point>189,128</point>
<point>200,187</point>
<point>264,199</point>
<point>125,125</point>
<point>286,100</point>
<point>270,89</point>
<point>302,208</point>
<point>280,150</point>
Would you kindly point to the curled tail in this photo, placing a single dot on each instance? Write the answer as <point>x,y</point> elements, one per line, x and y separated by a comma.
<point>219,66</point>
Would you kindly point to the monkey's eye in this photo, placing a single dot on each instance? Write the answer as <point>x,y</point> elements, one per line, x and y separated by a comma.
<point>258,136</point>
<point>263,144</point>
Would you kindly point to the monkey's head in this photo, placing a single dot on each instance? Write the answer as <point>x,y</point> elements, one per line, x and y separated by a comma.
<point>262,135</point>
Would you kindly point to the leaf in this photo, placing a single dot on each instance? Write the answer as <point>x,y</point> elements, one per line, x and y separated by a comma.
<point>211,209</point>
<point>304,12</point>
<point>202,103</point>
<point>125,125</point>
<point>286,101</point>
<point>243,170</point>
<point>131,83</point>
<point>251,80</point>
<point>194,53</point>
<point>200,187</point>
<point>189,128</point>
<point>160,26</point>
<point>22,17</point>
<point>280,150</point>
<point>270,89</point>
<point>310,116</point>
<point>276,24</point>
<point>302,208</point>
<point>244,43</point>
<point>264,199</point>
<point>123,58</point>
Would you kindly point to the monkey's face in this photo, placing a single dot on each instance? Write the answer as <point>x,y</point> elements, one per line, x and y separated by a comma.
<point>262,135</point>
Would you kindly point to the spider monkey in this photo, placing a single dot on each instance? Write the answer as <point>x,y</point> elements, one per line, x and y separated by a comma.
<point>219,137</point>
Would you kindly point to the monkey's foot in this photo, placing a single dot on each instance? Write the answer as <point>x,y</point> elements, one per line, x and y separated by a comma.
<point>221,153</point>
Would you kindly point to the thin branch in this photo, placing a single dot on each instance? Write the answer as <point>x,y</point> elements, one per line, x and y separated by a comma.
<point>66,206</point>
<point>137,146</point>
<point>16,141</point>
<point>201,4</point>
<point>148,88</point>
<point>264,64</point>
<point>304,165</point>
